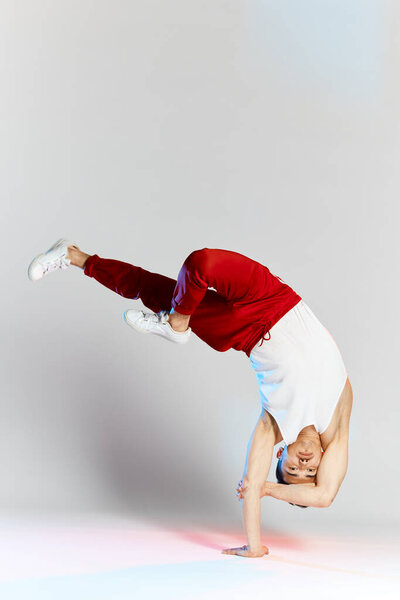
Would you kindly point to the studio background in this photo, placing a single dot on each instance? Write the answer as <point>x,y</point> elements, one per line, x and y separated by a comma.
<point>145,130</point>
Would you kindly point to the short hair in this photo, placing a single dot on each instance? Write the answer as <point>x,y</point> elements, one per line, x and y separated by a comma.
<point>279,478</point>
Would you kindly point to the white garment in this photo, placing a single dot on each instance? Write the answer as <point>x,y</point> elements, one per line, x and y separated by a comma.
<point>300,372</point>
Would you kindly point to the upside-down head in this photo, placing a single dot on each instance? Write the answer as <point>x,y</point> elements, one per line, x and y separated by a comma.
<point>298,462</point>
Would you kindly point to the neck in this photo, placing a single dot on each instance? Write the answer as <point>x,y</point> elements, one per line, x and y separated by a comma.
<point>308,431</point>
<point>309,434</point>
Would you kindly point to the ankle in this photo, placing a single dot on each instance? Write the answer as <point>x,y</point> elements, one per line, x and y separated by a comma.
<point>77,257</point>
<point>178,321</point>
<point>178,328</point>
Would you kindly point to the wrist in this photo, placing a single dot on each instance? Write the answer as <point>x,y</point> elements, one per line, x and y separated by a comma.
<point>255,549</point>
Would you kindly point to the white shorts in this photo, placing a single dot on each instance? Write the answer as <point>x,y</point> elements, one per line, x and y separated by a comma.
<point>300,372</point>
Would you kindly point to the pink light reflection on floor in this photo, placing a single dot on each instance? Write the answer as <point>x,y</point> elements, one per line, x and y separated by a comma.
<point>40,548</point>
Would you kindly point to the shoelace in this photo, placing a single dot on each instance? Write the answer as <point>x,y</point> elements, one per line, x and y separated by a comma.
<point>58,263</point>
<point>160,317</point>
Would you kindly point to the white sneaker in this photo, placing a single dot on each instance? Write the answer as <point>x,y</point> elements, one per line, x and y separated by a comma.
<point>156,323</point>
<point>55,258</point>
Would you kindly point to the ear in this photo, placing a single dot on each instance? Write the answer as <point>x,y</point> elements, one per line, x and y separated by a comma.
<point>279,453</point>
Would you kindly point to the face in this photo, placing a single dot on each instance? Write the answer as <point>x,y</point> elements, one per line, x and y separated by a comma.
<point>300,461</point>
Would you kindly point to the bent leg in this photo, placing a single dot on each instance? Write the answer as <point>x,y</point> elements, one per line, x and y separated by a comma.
<point>235,277</point>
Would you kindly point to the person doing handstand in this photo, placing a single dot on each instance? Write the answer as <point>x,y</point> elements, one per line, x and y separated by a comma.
<point>232,301</point>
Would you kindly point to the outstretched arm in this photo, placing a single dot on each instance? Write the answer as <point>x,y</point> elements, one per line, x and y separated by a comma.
<point>258,463</point>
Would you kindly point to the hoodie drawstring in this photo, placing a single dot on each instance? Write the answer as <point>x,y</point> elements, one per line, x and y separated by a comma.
<point>265,331</point>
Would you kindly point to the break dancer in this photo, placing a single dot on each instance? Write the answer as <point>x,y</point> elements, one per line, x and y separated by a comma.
<point>232,301</point>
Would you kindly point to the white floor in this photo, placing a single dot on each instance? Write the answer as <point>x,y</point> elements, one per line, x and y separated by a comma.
<point>120,558</point>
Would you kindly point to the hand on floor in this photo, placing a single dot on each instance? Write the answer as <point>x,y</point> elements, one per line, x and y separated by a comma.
<point>243,551</point>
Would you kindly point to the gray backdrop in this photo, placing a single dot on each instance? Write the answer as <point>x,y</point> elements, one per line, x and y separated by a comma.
<point>145,130</point>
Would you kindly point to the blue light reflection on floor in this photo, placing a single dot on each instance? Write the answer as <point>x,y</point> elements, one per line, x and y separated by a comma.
<point>169,582</point>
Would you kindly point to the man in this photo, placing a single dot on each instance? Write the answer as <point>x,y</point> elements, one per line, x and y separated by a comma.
<point>232,301</point>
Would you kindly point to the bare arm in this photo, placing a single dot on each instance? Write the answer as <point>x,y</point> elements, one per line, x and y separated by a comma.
<point>258,463</point>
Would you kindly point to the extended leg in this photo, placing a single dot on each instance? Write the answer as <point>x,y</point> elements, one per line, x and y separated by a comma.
<point>129,281</point>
